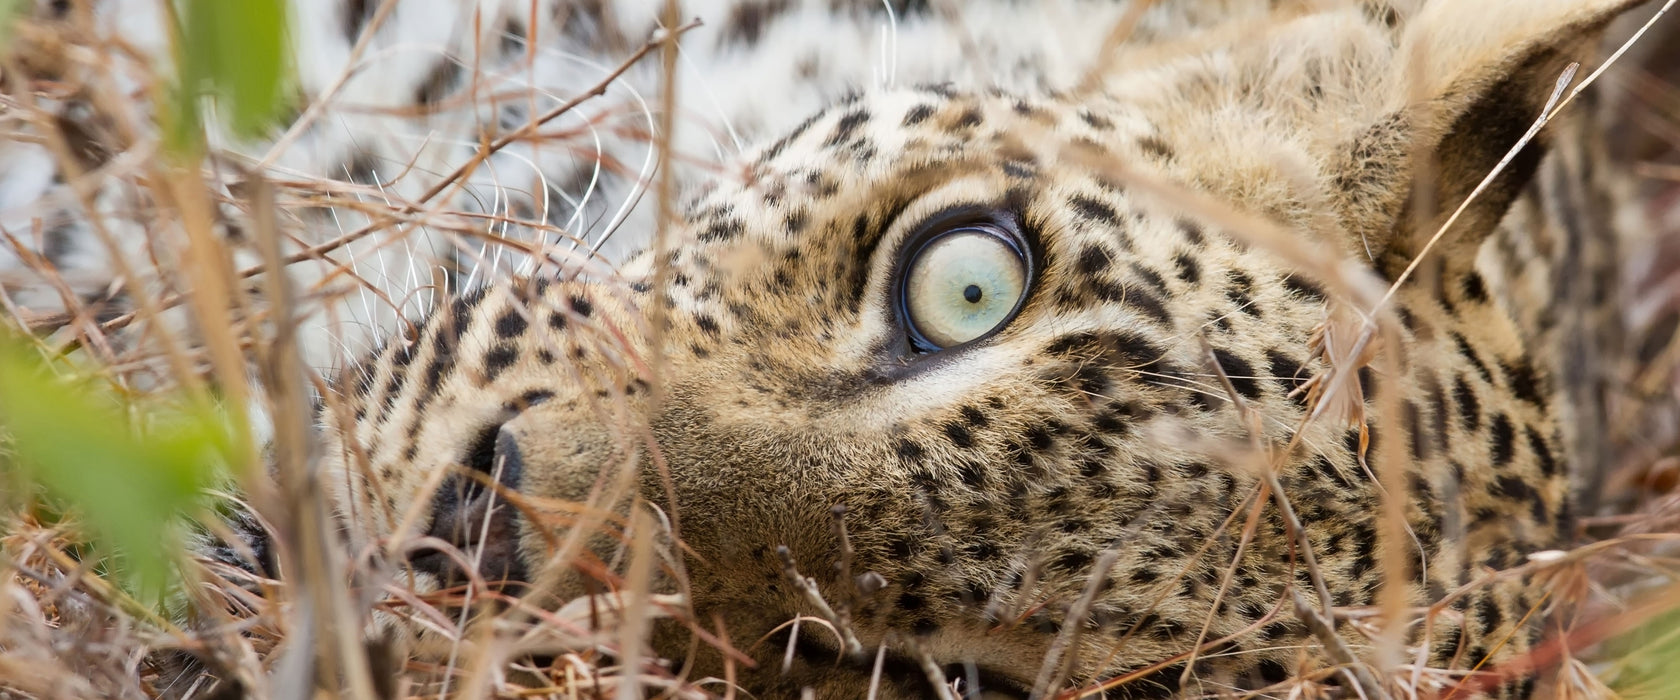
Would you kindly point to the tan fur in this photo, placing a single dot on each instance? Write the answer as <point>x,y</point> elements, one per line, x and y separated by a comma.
<point>983,483</point>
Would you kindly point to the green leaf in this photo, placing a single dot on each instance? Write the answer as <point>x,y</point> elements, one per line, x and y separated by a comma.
<point>131,486</point>
<point>234,50</point>
<point>10,10</point>
<point>1645,659</point>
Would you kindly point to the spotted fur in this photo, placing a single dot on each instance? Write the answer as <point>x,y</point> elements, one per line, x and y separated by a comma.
<point>1077,498</point>
<point>1069,485</point>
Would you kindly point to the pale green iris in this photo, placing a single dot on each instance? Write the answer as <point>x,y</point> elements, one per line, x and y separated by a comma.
<point>962,286</point>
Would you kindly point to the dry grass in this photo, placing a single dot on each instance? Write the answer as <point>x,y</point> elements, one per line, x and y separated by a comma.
<point>209,310</point>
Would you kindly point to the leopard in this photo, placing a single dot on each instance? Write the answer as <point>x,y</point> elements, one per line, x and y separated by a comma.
<point>1184,377</point>
<point>1028,473</point>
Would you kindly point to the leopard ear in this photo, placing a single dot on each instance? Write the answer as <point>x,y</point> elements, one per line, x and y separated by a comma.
<point>1468,81</point>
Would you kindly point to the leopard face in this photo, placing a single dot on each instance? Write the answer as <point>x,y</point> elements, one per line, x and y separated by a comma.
<point>968,362</point>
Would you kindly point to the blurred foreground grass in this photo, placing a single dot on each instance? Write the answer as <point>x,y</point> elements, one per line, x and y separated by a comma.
<point>131,472</point>
<point>235,52</point>
<point>134,469</point>
<point>1645,662</point>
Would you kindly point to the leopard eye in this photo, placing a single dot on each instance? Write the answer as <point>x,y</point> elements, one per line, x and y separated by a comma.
<point>963,283</point>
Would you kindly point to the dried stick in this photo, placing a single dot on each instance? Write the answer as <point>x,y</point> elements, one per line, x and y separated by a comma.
<point>813,595</point>
<point>484,153</point>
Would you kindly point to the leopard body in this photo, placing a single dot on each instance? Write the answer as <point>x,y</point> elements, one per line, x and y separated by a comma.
<point>1103,491</point>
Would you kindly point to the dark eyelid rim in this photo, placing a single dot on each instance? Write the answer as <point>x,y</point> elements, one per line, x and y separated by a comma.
<point>1004,224</point>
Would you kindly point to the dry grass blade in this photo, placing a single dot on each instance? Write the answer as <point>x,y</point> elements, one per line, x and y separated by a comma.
<point>1337,649</point>
<point>394,221</point>
<point>638,617</point>
<point>303,631</point>
<point>1061,657</point>
<point>813,596</point>
<point>930,668</point>
<point>1320,621</point>
<point>666,191</point>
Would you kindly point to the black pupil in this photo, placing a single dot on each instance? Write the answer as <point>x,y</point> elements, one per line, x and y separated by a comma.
<point>972,293</point>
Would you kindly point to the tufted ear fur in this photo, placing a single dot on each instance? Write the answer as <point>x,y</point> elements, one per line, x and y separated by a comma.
<point>1468,81</point>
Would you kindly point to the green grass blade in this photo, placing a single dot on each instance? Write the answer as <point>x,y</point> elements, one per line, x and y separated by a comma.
<point>132,487</point>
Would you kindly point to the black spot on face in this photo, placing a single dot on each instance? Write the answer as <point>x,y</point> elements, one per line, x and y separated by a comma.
<point>1154,146</point>
<point>1239,372</point>
<point>1469,407</point>
<point>918,114</point>
<point>1149,277</point>
<point>707,325</point>
<point>1438,413</point>
<point>1241,293</point>
<point>1192,231</point>
<point>781,144</point>
<point>1093,210</point>
<point>1351,442</point>
<point>959,435</point>
<point>1487,611</point>
<point>364,380</point>
<point>1412,418</point>
<point>581,306</point>
<point>402,355</point>
<point>1542,452</point>
<point>723,228</point>
<point>1020,169</point>
<point>844,128</point>
<point>1145,302</point>
<point>1303,288</point>
<point>1093,259</point>
<point>1503,436</point>
<point>1039,438</point>
<point>1408,320</point>
<point>1474,288</point>
<point>511,324</point>
<point>499,359</point>
<point>1073,561</point>
<point>1112,422</point>
<point>1470,356</point>
<point>534,397</point>
<point>435,372</point>
<point>795,221</point>
<point>1514,489</point>
<point>1188,269</point>
<point>972,474</point>
<point>1095,121</point>
<point>1525,383</point>
<point>1288,373</point>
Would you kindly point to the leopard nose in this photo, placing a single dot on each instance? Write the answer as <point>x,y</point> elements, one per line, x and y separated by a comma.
<point>471,511</point>
<point>561,455</point>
